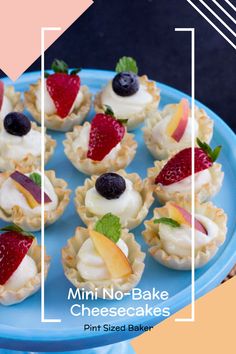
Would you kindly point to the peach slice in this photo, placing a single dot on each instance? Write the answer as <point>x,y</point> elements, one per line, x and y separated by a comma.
<point>178,123</point>
<point>182,216</point>
<point>115,260</point>
<point>30,190</point>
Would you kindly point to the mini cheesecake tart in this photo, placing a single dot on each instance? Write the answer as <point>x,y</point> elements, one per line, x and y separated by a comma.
<point>102,146</point>
<point>10,100</point>
<point>168,233</point>
<point>20,198</point>
<point>105,260</point>
<point>131,96</point>
<point>122,194</point>
<point>20,144</point>
<point>172,178</point>
<point>66,102</point>
<point>20,264</point>
<point>169,130</point>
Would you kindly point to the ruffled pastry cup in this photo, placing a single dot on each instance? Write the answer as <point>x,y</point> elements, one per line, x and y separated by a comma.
<point>206,191</point>
<point>53,121</point>
<point>163,152</point>
<point>11,297</point>
<point>203,256</point>
<point>143,187</point>
<point>29,162</point>
<point>14,98</point>
<point>88,166</point>
<point>135,257</point>
<point>33,222</point>
<point>135,119</point>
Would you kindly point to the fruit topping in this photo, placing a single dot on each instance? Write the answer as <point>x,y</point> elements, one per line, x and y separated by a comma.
<point>36,178</point>
<point>110,185</point>
<point>182,216</point>
<point>126,82</point>
<point>1,93</point>
<point>117,263</point>
<point>126,64</point>
<point>178,122</point>
<point>105,133</point>
<point>212,154</point>
<point>63,87</point>
<point>180,165</point>
<point>14,245</point>
<point>30,189</point>
<point>17,124</point>
<point>110,226</point>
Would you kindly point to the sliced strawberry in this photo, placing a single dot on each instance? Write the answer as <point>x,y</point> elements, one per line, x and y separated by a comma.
<point>180,165</point>
<point>13,248</point>
<point>63,89</point>
<point>1,93</point>
<point>105,133</point>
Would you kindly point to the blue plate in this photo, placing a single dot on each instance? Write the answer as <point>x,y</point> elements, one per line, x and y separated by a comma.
<point>20,326</point>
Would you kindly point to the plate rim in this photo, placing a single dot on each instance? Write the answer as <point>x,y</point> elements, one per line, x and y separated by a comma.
<point>204,284</point>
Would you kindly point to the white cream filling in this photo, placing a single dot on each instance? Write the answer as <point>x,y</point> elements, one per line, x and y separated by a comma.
<point>82,141</point>
<point>177,241</point>
<point>49,106</point>
<point>6,107</point>
<point>91,265</point>
<point>126,106</point>
<point>17,147</point>
<point>126,206</point>
<point>185,184</point>
<point>10,197</point>
<point>161,137</point>
<point>26,271</point>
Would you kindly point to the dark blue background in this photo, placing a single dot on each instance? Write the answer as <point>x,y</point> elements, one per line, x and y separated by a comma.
<point>144,29</point>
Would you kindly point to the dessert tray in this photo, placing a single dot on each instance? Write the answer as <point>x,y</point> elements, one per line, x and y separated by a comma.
<point>20,325</point>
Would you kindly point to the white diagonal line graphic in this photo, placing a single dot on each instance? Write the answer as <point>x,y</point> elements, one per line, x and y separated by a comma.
<point>212,24</point>
<point>231,5</point>
<point>218,17</point>
<point>225,12</point>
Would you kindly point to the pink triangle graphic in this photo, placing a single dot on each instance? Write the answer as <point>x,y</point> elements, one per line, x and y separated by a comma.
<point>20,29</point>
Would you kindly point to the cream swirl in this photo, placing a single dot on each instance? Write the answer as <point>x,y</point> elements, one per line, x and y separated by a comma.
<point>10,196</point>
<point>123,107</point>
<point>126,206</point>
<point>82,141</point>
<point>49,106</point>
<point>17,147</point>
<point>177,241</point>
<point>26,271</point>
<point>90,264</point>
<point>201,178</point>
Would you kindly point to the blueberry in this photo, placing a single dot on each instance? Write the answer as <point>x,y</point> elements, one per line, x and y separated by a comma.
<point>17,124</point>
<point>125,84</point>
<point>110,185</point>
